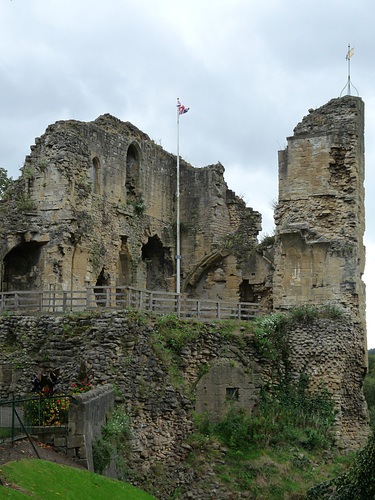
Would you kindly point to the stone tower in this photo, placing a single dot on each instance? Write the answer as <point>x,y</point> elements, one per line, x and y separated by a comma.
<point>320,219</point>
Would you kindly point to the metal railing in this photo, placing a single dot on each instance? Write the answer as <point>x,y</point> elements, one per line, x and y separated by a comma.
<point>20,418</point>
<point>158,302</point>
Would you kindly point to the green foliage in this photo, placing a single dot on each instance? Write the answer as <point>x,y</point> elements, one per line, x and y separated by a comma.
<point>287,414</point>
<point>332,311</point>
<point>175,334</point>
<point>268,240</point>
<point>27,173</point>
<point>84,377</point>
<point>118,426</point>
<point>304,314</point>
<point>6,184</point>
<point>203,369</point>
<point>115,441</point>
<point>357,483</point>
<point>24,202</point>
<point>271,335</point>
<point>138,205</point>
<point>46,411</point>
<point>102,452</point>
<point>271,338</point>
<point>369,388</point>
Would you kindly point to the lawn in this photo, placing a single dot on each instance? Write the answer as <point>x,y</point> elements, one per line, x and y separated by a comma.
<point>46,480</point>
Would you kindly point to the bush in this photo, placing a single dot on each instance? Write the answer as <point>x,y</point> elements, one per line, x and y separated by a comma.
<point>116,440</point>
<point>175,333</point>
<point>288,413</point>
<point>357,483</point>
<point>102,452</point>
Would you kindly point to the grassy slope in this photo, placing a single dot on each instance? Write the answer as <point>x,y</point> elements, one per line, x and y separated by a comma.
<point>268,472</point>
<point>46,480</point>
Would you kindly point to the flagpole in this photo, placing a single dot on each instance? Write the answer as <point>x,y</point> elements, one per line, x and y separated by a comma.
<point>178,256</point>
<point>349,56</point>
<point>349,84</point>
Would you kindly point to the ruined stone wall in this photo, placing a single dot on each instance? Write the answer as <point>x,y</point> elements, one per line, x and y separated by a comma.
<point>122,350</point>
<point>102,211</point>
<point>319,252</point>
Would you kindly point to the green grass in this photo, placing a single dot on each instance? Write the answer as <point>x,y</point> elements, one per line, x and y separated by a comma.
<point>268,472</point>
<point>45,480</point>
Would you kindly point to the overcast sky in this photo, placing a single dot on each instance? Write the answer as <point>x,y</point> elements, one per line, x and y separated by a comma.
<point>248,70</point>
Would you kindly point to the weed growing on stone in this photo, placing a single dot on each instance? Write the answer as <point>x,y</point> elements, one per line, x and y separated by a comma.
<point>116,440</point>
<point>24,202</point>
<point>331,310</point>
<point>176,334</point>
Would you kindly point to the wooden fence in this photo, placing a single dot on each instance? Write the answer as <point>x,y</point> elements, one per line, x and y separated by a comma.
<point>106,297</point>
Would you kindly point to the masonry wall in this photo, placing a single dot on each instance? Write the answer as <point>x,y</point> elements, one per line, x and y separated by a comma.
<point>120,350</point>
<point>96,205</point>
<point>320,221</point>
<point>87,415</point>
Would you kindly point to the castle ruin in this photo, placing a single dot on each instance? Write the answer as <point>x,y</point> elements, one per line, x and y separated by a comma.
<point>95,206</point>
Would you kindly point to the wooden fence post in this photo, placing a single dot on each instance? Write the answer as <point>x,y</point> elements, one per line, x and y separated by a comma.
<point>178,306</point>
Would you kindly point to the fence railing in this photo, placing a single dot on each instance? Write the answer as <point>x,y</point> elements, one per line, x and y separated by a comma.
<point>20,418</point>
<point>60,301</point>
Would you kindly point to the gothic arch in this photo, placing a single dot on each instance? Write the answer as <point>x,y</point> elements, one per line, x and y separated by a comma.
<point>95,174</point>
<point>197,272</point>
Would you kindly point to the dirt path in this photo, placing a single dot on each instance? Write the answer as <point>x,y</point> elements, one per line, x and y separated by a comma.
<point>23,449</point>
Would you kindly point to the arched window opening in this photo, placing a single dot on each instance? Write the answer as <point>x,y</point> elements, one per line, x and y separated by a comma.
<point>21,267</point>
<point>132,173</point>
<point>95,175</point>
<point>159,264</point>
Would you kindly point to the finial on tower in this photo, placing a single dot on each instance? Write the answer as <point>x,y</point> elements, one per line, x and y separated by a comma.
<point>348,56</point>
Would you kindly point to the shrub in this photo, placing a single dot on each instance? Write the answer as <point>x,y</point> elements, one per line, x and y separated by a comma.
<point>175,333</point>
<point>357,483</point>
<point>116,440</point>
<point>288,413</point>
<point>268,240</point>
<point>102,452</point>
<point>304,314</point>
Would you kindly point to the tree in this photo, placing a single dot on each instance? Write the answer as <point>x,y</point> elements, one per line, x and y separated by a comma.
<point>5,182</point>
